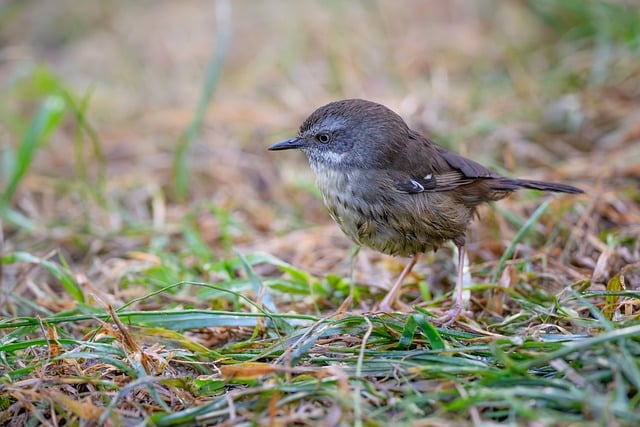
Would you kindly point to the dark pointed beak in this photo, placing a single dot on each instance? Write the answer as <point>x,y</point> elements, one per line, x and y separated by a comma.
<point>289,144</point>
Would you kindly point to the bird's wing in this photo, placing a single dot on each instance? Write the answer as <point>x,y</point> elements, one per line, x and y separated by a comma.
<point>431,182</point>
<point>446,171</point>
<point>466,167</point>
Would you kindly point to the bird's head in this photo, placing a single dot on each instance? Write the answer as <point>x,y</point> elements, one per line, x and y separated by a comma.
<point>352,133</point>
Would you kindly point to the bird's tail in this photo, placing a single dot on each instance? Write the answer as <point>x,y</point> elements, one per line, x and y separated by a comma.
<point>509,184</point>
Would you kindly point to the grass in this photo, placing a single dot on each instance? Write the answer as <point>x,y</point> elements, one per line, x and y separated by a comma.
<point>159,268</point>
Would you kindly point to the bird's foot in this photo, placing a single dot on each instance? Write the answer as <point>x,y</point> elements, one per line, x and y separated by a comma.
<point>385,308</point>
<point>448,318</point>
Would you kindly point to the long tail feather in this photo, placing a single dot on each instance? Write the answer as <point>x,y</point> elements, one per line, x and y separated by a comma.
<point>509,184</point>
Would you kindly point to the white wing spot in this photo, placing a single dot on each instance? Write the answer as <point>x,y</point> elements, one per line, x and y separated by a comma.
<point>417,185</point>
<point>428,177</point>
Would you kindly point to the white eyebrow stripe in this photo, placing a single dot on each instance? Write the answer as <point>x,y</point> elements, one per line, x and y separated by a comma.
<point>428,177</point>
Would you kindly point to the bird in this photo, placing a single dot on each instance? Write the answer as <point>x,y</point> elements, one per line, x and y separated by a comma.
<point>394,190</point>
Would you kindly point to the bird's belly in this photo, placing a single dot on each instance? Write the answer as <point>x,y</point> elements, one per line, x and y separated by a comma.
<point>382,232</point>
<point>381,224</point>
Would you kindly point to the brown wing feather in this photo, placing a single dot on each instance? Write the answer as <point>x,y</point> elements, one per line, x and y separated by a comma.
<point>444,172</point>
<point>447,171</point>
<point>467,167</point>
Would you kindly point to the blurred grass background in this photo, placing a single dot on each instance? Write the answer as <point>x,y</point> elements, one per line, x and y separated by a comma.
<point>134,175</point>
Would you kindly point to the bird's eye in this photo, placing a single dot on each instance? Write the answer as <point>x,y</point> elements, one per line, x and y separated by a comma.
<point>323,137</point>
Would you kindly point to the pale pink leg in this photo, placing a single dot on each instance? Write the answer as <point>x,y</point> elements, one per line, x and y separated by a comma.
<point>455,310</point>
<point>386,306</point>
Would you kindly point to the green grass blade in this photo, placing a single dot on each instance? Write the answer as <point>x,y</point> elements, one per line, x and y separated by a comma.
<point>60,272</point>
<point>47,118</point>
<point>223,37</point>
<point>523,232</point>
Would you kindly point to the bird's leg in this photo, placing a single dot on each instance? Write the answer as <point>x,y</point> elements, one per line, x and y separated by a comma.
<point>455,310</point>
<point>386,306</point>
<point>346,304</point>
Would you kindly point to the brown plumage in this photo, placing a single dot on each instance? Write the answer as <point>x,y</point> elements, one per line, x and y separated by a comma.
<point>394,190</point>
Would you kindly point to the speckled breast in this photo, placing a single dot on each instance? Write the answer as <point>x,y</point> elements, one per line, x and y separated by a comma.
<point>389,224</point>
